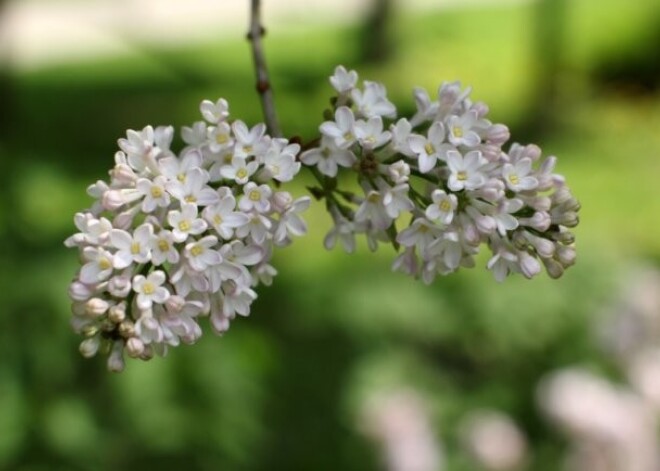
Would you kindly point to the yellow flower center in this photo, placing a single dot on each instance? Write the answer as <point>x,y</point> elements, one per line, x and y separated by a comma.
<point>255,195</point>
<point>190,199</point>
<point>462,175</point>
<point>248,149</point>
<point>156,191</point>
<point>429,148</point>
<point>514,179</point>
<point>196,250</point>
<point>184,226</point>
<point>217,220</point>
<point>374,198</point>
<point>163,245</point>
<point>445,205</point>
<point>423,229</point>
<point>181,177</point>
<point>148,288</point>
<point>242,173</point>
<point>135,248</point>
<point>348,136</point>
<point>457,131</point>
<point>104,264</point>
<point>325,153</point>
<point>221,138</point>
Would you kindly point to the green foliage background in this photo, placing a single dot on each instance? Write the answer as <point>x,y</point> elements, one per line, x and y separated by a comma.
<point>283,389</point>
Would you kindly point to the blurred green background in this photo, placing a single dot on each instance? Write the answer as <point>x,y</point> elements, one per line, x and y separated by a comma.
<point>286,389</point>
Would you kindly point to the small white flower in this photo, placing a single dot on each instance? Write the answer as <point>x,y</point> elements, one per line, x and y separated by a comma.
<point>400,133</point>
<point>98,267</point>
<point>328,157</point>
<point>93,231</point>
<point>250,142</point>
<point>193,189</point>
<point>399,172</point>
<point>154,193</point>
<point>219,137</point>
<point>462,129</point>
<point>419,234</point>
<point>443,207</point>
<point>426,109</point>
<point>396,200</point>
<point>255,197</point>
<point>163,249</point>
<point>373,210</point>
<point>451,99</point>
<point>195,135</point>
<point>341,129</point>
<point>135,248</point>
<point>517,176</point>
<point>258,228</point>
<point>223,218</point>
<point>344,230</point>
<point>200,254</point>
<point>343,80</point>
<point>149,289</point>
<point>239,170</point>
<point>149,330</point>
<point>370,133</point>
<point>290,223</point>
<point>430,149</point>
<point>503,218</point>
<point>185,222</point>
<point>466,171</point>
<point>281,163</point>
<point>214,112</point>
<point>373,101</point>
<point>138,147</point>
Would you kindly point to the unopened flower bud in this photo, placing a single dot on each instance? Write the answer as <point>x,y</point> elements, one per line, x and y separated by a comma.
<point>89,347</point>
<point>540,221</point>
<point>96,307</point>
<point>80,292</point>
<point>119,286</point>
<point>134,347</point>
<point>90,330</point>
<point>127,329</point>
<point>566,255</point>
<point>123,175</point>
<point>399,172</point>
<point>117,313</point>
<point>553,267</point>
<point>175,303</point>
<point>116,359</point>
<point>480,108</point>
<point>529,266</point>
<point>281,201</point>
<point>543,247</point>
<point>147,353</point>
<point>498,134</point>
<point>490,152</point>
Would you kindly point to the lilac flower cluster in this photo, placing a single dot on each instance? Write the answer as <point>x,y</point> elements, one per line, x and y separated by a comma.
<point>445,170</point>
<point>171,238</point>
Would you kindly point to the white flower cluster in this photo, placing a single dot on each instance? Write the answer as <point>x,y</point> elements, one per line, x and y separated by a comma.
<point>174,237</point>
<point>445,168</point>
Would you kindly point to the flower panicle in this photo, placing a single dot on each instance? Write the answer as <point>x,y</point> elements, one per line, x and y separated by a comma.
<point>445,178</point>
<point>172,238</point>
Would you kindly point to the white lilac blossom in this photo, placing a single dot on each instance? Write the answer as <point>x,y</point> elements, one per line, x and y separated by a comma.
<point>165,245</point>
<point>439,184</point>
<point>172,238</point>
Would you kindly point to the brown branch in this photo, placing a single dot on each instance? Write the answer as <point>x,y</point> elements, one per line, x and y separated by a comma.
<point>263,84</point>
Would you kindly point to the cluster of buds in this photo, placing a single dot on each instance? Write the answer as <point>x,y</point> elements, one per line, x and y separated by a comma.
<point>171,238</point>
<point>444,170</point>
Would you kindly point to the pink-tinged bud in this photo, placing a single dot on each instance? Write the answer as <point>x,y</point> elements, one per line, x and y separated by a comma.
<point>120,158</point>
<point>480,108</point>
<point>529,266</point>
<point>540,203</point>
<point>566,255</point>
<point>406,262</point>
<point>220,324</point>
<point>281,200</point>
<point>96,307</point>
<point>127,329</point>
<point>543,247</point>
<point>498,134</point>
<point>112,200</point>
<point>540,221</point>
<point>123,175</point>
<point>117,313</point>
<point>89,347</point>
<point>119,286</point>
<point>532,151</point>
<point>470,232</point>
<point>561,196</point>
<point>175,303</point>
<point>134,347</point>
<point>81,292</point>
<point>565,237</point>
<point>553,267</point>
<point>147,354</point>
<point>490,152</point>
<point>124,220</point>
<point>116,359</point>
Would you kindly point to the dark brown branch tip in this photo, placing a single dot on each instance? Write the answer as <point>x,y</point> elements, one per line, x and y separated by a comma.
<point>263,86</point>
<point>262,32</point>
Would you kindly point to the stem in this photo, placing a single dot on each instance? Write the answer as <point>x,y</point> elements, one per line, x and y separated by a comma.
<point>263,83</point>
